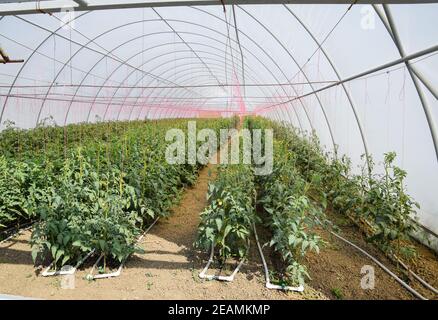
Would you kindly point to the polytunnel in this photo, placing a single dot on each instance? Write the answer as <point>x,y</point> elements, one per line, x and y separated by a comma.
<point>360,75</point>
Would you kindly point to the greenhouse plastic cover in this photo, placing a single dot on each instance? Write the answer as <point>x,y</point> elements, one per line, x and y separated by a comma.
<point>190,61</point>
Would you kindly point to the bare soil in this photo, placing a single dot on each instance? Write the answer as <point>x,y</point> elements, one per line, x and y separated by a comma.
<point>336,271</point>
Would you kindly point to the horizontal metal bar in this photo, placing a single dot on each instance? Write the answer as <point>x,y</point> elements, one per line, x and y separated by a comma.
<point>62,85</point>
<point>20,7</point>
<point>412,56</point>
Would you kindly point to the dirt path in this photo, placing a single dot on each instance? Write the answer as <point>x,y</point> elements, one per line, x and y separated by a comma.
<point>167,270</point>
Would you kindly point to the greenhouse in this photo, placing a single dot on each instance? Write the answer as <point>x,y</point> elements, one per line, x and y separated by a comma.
<point>218,149</point>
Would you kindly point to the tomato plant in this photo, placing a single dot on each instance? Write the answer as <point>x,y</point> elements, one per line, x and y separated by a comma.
<point>227,221</point>
<point>386,208</point>
<point>290,215</point>
<point>86,212</point>
<point>377,203</point>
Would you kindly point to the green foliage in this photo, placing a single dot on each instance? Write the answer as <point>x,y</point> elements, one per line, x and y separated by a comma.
<point>227,221</point>
<point>377,203</point>
<point>15,180</point>
<point>338,293</point>
<point>86,212</point>
<point>90,186</point>
<point>385,206</point>
<point>291,216</point>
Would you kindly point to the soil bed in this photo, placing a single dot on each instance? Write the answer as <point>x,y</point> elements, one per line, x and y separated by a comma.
<point>336,271</point>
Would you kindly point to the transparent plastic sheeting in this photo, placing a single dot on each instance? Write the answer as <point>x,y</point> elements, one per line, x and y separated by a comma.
<point>154,63</point>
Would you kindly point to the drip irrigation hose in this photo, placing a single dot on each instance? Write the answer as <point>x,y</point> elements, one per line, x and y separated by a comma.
<point>48,273</point>
<point>148,229</point>
<point>91,275</point>
<point>421,280</point>
<point>18,228</point>
<point>117,273</point>
<point>269,285</point>
<point>410,289</point>
<point>230,278</point>
<point>13,235</point>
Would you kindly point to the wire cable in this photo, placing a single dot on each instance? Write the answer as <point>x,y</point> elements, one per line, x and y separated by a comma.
<point>325,38</point>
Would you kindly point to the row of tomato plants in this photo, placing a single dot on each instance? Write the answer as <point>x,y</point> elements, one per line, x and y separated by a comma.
<point>233,198</point>
<point>304,184</point>
<point>377,202</point>
<point>288,212</point>
<point>100,193</point>
<point>226,223</point>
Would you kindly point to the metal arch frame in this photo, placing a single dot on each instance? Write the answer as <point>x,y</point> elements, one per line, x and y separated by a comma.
<point>260,88</point>
<point>335,70</point>
<point>161,74</point>
<point>286,109</point>
<point>242,58</point>
<point>263,51</point>
<point>167,114</point>
<point>413,67</point>
<point>101,59</point>
<point>183,65</point>
<point>273,61</point>
<point>212,54</point>
<point>82,46</point>
<point>181,21</point>
<point>46,39</point>
<point>118,67</point>
<point>199,70</point>
<point>135,103</point>
<point>21,7</point>
<point>28,59</point>
<point>168,109</point>
<point>270,58</point>
<point>168,93</point>
<point>410,57</point>
<point>142,107</point>
<point>182,39</point>
<point>123,82</point>
<point>180,32</point>
<point>189,112</point>
<point>415,76</point>
<point>164,63</point>
<point>215,31</point>
<point>53,33</point>
<point>297,64</point>
<point>85,46</point>
<point>221,43</point>
<point>123,63</point>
